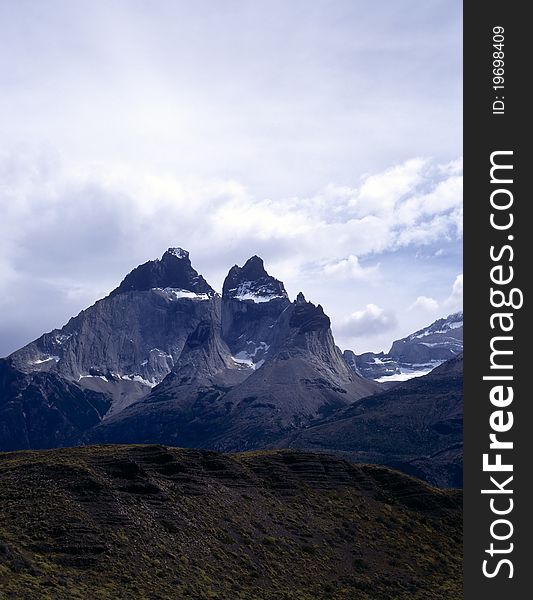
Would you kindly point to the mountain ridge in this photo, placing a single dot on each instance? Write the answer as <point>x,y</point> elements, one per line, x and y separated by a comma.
<point>165,324</point>
<point>414,355</point>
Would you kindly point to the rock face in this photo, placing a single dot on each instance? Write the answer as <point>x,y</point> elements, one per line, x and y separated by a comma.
<point>126,343</point>
<point>44,410</point>
<point>252,302</point>
<point>168,360</point>
<point>416,426</point>
<point>413,355</point>
<point>305,378</point>
<point>224,404</point>
<point>157,522</point>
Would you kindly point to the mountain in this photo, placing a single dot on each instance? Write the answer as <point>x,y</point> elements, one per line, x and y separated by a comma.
<point>157,522</point>
<point>416,426</point>
<point>413,355</point>
<point>252,301</point>
<point>164,358</point>
<point>129,341</point>
<point>226,404</point>
<point>106,358</point>
<point>44,410</point>
<point>304,379</point>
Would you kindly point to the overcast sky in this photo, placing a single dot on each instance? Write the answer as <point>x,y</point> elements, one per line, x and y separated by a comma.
<point>324,136</point>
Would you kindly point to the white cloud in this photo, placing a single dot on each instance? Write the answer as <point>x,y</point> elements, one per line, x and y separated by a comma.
<point>349,268</point>
<point>426,304</point>
<point>74,232</point>
<point>451,303</point>
<point>371,320</point>
<point>455,299</point>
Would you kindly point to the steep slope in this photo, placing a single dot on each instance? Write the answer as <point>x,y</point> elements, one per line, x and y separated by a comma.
<point>155,522</point>
<point>416,426</point>
<point>129,341</point>
<point>211,400</point>
<point>186,409</point>
<point>304,379</point>
<point>415,355</point>
<point>44,410</point>
<point>252,301</point>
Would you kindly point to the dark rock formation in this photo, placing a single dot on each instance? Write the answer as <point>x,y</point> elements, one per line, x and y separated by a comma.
<point>416,426</point>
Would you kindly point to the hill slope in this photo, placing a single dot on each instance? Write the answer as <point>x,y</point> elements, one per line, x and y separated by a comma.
<point>151,522</point>
<point>416,426</point>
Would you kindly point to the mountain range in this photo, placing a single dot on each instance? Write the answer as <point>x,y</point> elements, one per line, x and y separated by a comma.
<point>166,359</point>
<point>414,355</point>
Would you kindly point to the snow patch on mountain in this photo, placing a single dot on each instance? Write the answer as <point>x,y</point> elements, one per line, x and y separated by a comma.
<point>410,372</point>
<point>40,361</point>
<point>61,338</point>
<point>178,252</point>
<point>440,327</point>
<point>248,290</point>
<point>177,294</point>
<point>249,357</point>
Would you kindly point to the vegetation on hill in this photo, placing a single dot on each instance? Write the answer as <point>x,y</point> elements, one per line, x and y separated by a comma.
<point>158,523</point>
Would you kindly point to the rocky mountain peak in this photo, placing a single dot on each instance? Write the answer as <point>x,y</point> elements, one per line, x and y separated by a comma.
<point>177,253</point>
<point>252,282</point>
<point>173,271</point>
<point>307,316</point>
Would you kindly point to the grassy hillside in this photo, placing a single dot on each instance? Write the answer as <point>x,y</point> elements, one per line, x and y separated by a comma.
<point>156,523</point>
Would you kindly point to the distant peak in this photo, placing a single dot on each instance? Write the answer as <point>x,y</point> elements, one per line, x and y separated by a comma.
<point>177,252</point>
<point>300,298</point>
<point>252,282</point>
<point>173,271</point>
<point>455,316</point>
<point>254,261</point>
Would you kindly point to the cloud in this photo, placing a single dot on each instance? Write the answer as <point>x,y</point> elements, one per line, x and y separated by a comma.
<point>69,233</point>
<point>453,302</point>
<point>371,320</point>
<point>81,216</point>
<point>425,304</point>
<point>349,268</point>
<point>455,299</point>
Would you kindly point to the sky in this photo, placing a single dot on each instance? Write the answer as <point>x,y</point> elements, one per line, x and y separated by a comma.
<point>323,135</point>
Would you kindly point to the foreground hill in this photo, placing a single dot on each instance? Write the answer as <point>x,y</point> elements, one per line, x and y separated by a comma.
<point>150,522</point>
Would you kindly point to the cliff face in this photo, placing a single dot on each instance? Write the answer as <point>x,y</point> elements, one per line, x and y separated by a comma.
<point>129,341</point>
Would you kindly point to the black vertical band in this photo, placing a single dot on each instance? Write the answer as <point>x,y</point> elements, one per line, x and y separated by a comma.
<point>497,124</point>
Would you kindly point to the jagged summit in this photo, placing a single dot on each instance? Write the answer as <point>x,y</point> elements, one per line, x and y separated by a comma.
<point>251,282</point>
<point>252,301</point>
<point>173,271</point>
<point>177,252</point>
<point>307,316</point>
